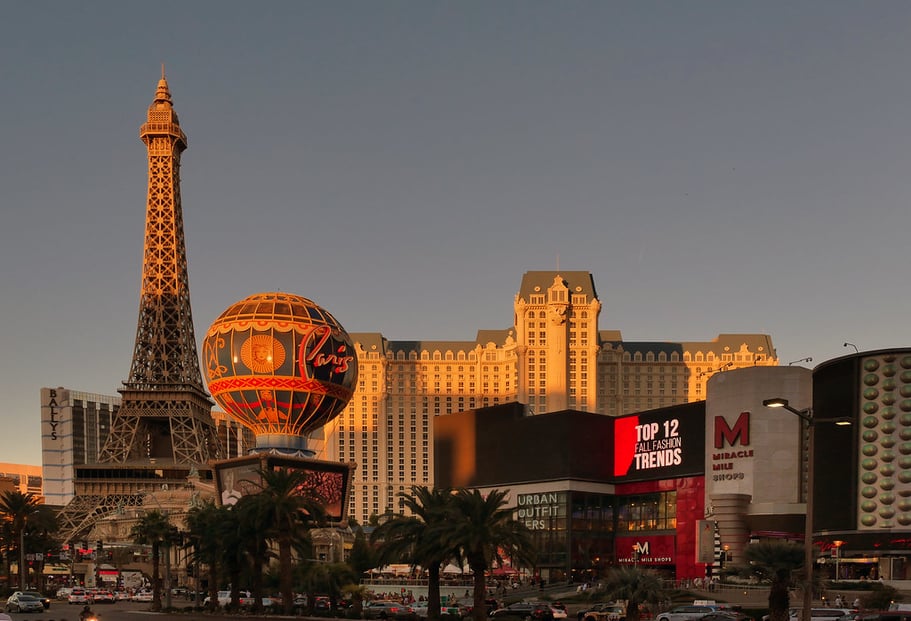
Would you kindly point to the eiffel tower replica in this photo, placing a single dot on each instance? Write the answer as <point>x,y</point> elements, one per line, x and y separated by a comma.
<point>163,433</point>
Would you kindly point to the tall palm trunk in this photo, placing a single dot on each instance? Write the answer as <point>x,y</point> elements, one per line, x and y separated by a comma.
<point>213,587</point>
<point>156,578</point>
<point>479,611</point>
<point>433,591</point>
<point>284,564</point>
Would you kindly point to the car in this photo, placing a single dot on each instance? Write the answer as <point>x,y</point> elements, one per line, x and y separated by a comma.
<point>21,602</point>
<point>686,613</point>
<point>64,592</point>
<point>726,615</point>
<point>44,599</point>
<point>142,596</point>
<point>527,611</point>
<point>604,611</point>
<point>102,596</point>
<point>122,596</point>
<point>382,609</point>
<point>467,605</point>
<point>419,609</point>
<point>558,610</point>
<point>79,596</point>
<point>823,614</point>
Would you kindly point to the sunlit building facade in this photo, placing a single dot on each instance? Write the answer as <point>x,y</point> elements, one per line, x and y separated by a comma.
<point>21,478</point>
<point>554,357</point>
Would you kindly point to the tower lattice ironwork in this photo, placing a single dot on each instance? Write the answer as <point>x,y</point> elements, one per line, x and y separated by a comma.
<point>165,410</point>
<point>163,432</point>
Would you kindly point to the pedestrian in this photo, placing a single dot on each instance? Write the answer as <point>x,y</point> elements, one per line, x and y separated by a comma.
<point>856,603</point>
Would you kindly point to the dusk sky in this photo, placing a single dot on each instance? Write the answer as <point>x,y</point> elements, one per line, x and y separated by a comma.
<point>719,167</point>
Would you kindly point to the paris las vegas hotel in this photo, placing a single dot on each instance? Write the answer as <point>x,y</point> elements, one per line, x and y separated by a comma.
<point>554,358</point>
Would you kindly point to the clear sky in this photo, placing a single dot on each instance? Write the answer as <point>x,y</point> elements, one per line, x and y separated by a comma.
<point>718,166</point>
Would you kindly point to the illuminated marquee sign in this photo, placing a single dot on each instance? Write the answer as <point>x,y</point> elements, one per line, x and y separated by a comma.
<point>658,445</point>
<point>539,511</point>
<point>731,455</point>
<point>654,550</point>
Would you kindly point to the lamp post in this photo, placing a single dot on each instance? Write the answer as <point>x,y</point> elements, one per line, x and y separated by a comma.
<point>837,543</point>
<point>806,415</point>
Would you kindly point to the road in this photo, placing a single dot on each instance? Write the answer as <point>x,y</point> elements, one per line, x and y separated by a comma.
<point>119,611</point>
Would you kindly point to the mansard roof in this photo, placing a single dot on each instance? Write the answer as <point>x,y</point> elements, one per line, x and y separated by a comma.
<point>539,282</point>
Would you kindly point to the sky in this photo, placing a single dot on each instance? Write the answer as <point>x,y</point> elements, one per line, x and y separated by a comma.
<point>719,167</point>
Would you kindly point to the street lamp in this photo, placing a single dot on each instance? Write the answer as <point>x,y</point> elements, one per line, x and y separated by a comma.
<point>837,543</point>
<point>806,415</point>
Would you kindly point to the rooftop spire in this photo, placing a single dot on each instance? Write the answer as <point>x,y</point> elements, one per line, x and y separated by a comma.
<point>163,94</point>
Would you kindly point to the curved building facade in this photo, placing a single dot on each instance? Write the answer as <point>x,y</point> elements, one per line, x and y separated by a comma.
<point>862,514</point>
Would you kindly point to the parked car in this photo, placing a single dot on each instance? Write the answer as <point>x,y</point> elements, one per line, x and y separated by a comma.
<point>528,611</point>
<point>142,596</point>
<point>822,614</point>
<point>64,592</point>
<point>44,599</point>
<point>685,613</point>
<point>558,610</point>
<point>604,611</point>
<point>20,602</point>
<point>381,609</point>
<point>726,615</point>
<point>419,609</point>
<point>467,605</point>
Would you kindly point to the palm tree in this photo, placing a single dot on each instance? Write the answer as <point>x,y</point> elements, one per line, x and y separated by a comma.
<point>154,529</point>
<point>482,528</point>
<point>41,534</point>
<point>415,539</point>
<point>254,525</point>
<point>775,561</point>
<point>356,593</point>
<point>362,557</point>
<point>636,586</point>
<point>202,522</point>
<point>17,509</point>
<point>287,513</point>
<point>232,535</point>
<point>329,578</point>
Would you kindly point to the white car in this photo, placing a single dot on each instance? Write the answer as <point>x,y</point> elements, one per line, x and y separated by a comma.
<point>142,596</point>
<point>79,596</point>
<point>686,613</point>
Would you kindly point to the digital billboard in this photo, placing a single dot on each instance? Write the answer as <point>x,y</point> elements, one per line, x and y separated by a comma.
<point>660,444</point>
<point>324,481</point>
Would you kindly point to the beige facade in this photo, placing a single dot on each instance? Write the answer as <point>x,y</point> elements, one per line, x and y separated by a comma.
<point>554,357</point>
<point>22,478</point>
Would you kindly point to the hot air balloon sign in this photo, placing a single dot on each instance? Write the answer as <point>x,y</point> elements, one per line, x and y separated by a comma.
<point>280,365</point>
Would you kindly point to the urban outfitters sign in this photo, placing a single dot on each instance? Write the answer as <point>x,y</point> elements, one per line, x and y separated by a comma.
<point>541,511</point>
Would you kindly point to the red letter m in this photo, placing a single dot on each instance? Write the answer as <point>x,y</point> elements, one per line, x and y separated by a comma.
<point>740,430</point>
